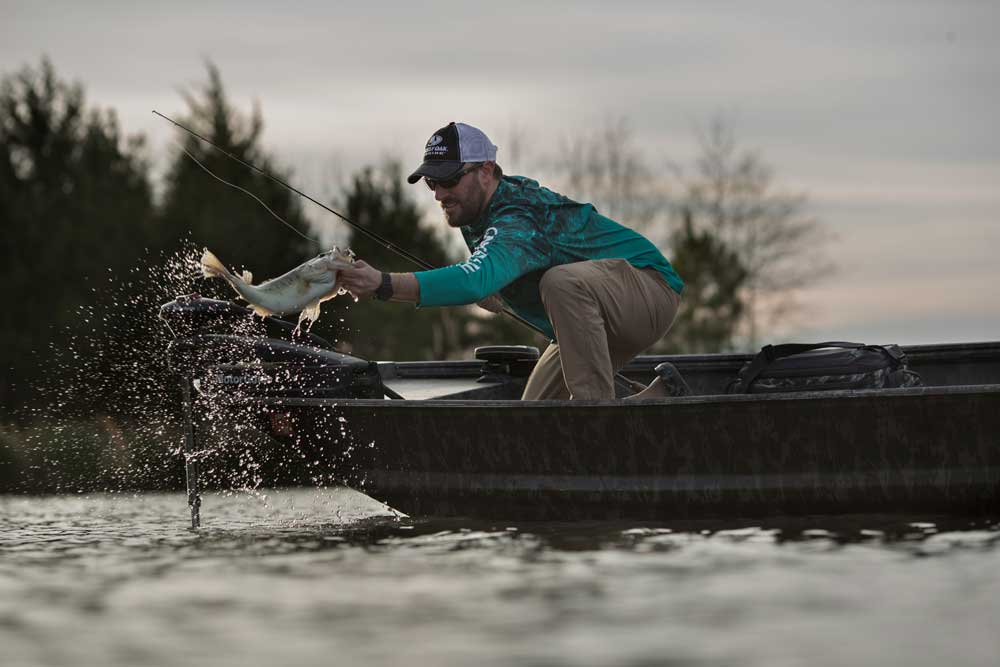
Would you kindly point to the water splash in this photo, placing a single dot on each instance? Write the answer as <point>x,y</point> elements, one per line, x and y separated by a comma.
<point>109,410</point>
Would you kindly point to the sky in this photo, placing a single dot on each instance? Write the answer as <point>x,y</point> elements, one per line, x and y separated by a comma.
<point>884,114</point>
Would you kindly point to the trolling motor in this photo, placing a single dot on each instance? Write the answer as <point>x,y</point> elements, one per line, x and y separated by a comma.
<point>189,314</point>
<point>215,362</point>
<point>208,340</point>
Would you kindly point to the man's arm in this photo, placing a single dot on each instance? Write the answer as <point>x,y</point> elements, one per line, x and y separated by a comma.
<point>505,253</point>
<point>358,280</point>
<point>362,280</point>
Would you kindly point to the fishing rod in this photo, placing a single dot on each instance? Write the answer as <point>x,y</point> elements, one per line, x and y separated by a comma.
<point>367,232</point>
<point>385,242</point>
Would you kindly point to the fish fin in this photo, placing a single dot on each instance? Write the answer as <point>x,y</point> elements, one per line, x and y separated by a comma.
<point>260,310</point>
<point>247,277</point>
<point>310,312</point>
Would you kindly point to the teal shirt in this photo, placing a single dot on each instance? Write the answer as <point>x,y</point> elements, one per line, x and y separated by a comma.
<point>526,230</point>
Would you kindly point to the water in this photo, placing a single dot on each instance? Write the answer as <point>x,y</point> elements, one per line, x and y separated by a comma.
<point>310,577</point>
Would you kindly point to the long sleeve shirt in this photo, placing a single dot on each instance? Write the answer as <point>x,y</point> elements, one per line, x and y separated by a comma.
<point>526,230</point>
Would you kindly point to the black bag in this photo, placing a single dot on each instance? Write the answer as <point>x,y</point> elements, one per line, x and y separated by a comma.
<point>795,367</point>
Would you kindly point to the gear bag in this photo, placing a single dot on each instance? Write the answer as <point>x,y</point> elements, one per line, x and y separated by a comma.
<point>795,367</point>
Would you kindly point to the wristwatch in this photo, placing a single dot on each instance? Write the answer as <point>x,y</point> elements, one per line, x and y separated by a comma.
<point>384,291</point>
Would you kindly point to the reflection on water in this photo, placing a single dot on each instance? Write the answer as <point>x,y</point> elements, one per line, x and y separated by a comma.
<point>329,577</point>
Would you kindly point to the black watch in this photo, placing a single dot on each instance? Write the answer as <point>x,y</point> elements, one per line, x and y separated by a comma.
<point>384,291</point>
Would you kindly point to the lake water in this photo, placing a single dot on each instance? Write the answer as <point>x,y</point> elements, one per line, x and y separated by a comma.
<point>326,577</point>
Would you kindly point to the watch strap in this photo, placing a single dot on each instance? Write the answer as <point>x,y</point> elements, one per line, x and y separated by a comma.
<point>384,291</point>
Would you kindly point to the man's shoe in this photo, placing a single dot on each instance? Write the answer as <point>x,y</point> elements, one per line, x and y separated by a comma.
<point>654,390</point>
<point>673,383</point>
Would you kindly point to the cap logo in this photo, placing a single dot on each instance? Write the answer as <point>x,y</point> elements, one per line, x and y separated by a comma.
<point>437,148</point>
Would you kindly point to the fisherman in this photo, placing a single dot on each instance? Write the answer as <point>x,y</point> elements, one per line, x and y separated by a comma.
<point>600,291</point>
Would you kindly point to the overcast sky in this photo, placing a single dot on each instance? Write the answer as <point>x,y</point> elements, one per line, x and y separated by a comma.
<point>884,113</point>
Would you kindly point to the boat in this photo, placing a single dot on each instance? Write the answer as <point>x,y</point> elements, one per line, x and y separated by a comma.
<point>451,438</point>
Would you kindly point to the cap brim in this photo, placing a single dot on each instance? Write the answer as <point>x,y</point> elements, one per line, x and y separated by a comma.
<point>439,169</point>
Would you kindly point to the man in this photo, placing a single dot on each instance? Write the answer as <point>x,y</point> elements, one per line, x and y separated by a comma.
<point>602,292</point>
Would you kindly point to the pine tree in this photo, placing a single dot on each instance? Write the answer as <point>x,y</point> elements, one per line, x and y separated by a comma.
<point>232,224</point>
<point>712,307</point>
<point>75,208</point>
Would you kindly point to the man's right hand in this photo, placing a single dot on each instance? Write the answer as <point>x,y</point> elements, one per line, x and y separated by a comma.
<point>360,279</point>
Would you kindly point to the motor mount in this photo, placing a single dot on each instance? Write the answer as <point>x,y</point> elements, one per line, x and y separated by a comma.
<point>238,365</point>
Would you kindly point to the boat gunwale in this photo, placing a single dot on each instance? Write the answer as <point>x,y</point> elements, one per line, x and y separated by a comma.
<point>952,353</point>
<point>709,399</point>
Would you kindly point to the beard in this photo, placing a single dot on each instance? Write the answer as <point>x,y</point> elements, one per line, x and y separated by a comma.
<point>460,211</point>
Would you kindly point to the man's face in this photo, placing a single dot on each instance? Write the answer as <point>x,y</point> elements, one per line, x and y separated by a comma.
<point>465,202</point>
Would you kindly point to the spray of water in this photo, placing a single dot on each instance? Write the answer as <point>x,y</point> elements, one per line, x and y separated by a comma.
<point>109,414</point>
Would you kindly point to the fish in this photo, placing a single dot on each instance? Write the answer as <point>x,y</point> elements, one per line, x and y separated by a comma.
<point>301,290</point>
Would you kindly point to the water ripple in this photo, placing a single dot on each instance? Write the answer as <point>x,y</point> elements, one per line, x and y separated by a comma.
<point>328,576</point>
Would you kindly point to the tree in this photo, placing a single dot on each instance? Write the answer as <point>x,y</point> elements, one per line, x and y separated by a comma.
<point>607,170</point>
<point>712,307</point>
<point>732,196</point>
<point>75,206</point>
<point>229,222</point>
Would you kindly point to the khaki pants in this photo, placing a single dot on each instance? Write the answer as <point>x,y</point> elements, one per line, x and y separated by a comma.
<point>604,312</point>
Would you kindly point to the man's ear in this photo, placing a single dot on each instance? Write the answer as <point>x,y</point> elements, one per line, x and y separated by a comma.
<point>484,173</point>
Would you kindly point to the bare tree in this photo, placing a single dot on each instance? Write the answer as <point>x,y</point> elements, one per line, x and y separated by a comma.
<point>607,170</point>
<point>731,194</point>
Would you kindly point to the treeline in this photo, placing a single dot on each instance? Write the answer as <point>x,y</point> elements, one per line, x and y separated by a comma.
<point>90,250</point>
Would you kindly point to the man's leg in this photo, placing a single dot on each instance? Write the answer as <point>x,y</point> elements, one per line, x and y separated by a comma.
<point>546,380</point>
<point>603,312</point>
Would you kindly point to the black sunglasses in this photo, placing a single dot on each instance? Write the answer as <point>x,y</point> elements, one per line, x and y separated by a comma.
<point>448,183</point>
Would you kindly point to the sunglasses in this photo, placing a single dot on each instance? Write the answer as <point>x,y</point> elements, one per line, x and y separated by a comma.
<point>448,183</point>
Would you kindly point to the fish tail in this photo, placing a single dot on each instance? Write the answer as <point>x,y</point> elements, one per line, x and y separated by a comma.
<point>212,267</point>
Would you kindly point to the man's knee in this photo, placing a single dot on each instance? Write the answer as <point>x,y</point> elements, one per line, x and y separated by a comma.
<point>559,280</point>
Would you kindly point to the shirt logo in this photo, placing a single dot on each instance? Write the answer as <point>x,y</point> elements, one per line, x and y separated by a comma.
<point>475,261</point>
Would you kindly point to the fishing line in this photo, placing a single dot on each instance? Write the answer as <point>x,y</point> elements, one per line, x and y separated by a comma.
<point>259,200</point>
<point>370,234</point>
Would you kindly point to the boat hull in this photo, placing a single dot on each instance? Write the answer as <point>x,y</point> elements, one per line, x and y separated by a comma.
<point>925,449</point>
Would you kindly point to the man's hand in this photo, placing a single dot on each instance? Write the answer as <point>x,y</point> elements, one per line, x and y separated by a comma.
<point>360,279</point>
<point>492,303</point>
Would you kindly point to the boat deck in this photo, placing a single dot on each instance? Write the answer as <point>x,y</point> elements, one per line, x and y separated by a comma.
<point>942,365</point>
